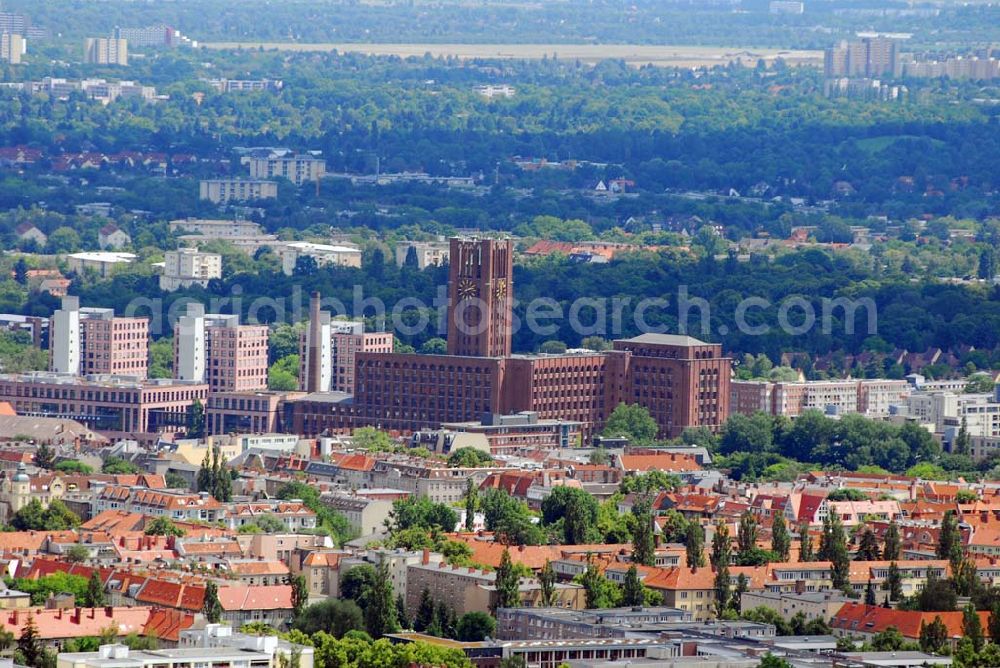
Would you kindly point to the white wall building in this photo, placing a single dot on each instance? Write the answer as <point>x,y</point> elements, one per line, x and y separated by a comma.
<point>64,345</point>
<point>324,254</point>
<point>184,267</point>
<point>221,191</point>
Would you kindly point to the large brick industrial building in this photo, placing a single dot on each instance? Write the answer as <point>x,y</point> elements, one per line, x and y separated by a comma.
<point>683,382</point>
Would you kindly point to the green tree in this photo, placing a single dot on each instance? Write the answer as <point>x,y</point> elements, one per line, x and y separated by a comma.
<point>117,465</point>
<point>29,645</point>
<point>746,537</point>
<point>380,608</point>
<point>962,440</point>
<point>402,616</point>
<point>833,548</point>
<point>599,457</point>
<point>633,592</point>
<point>598,591</point>
<point>95,591</point>
<point>77,554</point>
<point>721,556</point>
<point>894,582</point>
<point>331,616</point>
<point>196,421</point>
<point>73,466</point>
<point>161,358</point>
<point>891,543</point>
<point>937,595</point>
<point>357,582</point>
<point>577,512</point>
<point>652,482</point>
<point>993,624</point>
<point>890,640</point>
<point>300,594</point>
<point>643,540</point>
<point>972,627</point>
<point>372,440</point>
<point>507,583</point>
<point>805,544</point>
<point>631,421</point>
<point>476,626</point>
<point>434,346</point>
<point>781,540</point>
<point>45,456</point>
<point>868,547</point>
<point>162,526</point>
<point>870,594</point>
<point>471,503</point>
<point>949,536</point>
<point>547,583</point>
<point>283,375</point>
<point>933,636</point>
<point>33,517</point>
<point>425,612</point>
<point>469,457</point>
<point>772,661</point>
<point>212,608</point>
<point>694,545</point>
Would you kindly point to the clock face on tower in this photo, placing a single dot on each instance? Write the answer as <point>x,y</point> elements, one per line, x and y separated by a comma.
<point>467,289</point>
<point>500,290</point>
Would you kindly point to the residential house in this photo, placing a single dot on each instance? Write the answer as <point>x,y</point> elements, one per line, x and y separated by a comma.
<point>112,237</point>
<point>26,232</point>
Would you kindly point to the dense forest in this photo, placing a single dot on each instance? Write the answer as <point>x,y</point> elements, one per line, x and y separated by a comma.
<point>575,21</point>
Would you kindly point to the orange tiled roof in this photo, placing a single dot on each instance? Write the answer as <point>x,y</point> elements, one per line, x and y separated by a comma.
<point>873,619</point>
<point>167,624</point>
<point>246,568</point>
<point>663,461</point>
<point>56,624</point>
<point>269,597</point>
<point>114,521</point>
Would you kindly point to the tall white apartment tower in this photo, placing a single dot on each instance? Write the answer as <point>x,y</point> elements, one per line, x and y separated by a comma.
<point>189,345</point>
<point>64,343</point>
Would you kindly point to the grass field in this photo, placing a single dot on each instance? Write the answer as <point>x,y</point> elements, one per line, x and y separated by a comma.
<point>661,56</point>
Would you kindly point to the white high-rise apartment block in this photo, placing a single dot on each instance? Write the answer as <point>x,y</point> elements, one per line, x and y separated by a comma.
<point>64,331</point>
<point>189,345</point>
<point>184,267</point>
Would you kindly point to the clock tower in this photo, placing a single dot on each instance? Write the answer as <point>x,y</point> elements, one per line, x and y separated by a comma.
<point>479,297</point>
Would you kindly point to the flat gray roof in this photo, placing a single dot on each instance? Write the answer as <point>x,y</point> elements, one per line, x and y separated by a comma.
<point>667,339</point>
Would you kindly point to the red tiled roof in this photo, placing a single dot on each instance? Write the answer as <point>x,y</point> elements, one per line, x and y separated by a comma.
<point>664,461</point>
<point>270,597</point>
<point>57,624</point>
<point>872,619</point>
<point>167,624</point>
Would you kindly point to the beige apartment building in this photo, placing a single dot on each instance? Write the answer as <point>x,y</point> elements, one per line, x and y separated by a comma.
<point>428,253</point>
<point>185,267</point>
<point>12,47</point>
<point>298,169</point>
<point>837,397</point>
<point>105,51</point>
<point>471,589</point>
<point>222,191</point>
